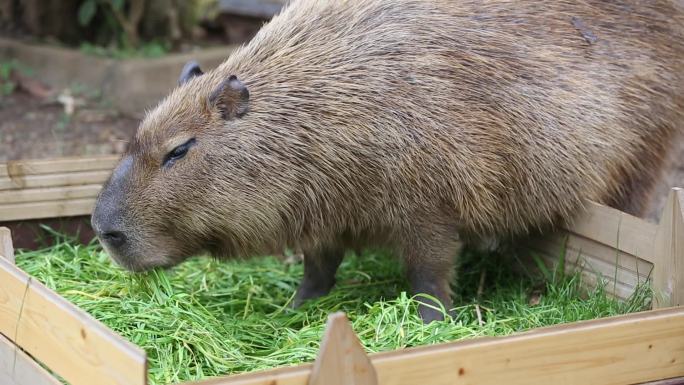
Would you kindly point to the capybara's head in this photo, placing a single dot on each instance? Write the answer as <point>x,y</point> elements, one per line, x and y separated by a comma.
<point>182,186</point>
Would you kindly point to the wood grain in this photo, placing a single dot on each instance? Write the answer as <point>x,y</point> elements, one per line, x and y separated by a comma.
<point>629,349</point>
<point>22,168</point>
<point>63,337</point>
<point>668,279</point>
<point>341,359</point>
<point>47,209</point>
<point>616,229</point>
<point>53,180</point>
<point>8,197</point>
<point>6,248</point>
<point>18,368</point>
<point>597,262</point>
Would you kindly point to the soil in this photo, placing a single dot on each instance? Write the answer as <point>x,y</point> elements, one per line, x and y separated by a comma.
<point>36,128</point>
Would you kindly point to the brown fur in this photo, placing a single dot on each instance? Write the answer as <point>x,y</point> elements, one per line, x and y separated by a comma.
<point>407,124</point>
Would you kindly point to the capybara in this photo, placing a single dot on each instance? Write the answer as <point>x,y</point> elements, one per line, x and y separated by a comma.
<point>408,125</point>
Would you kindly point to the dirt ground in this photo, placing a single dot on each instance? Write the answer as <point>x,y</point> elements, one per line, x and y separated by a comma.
<point>38,128</point>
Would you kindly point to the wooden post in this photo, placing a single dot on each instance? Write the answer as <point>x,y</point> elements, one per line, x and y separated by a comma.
<point>6,248</point>
<point>342,360</point>
<point>668,274</point>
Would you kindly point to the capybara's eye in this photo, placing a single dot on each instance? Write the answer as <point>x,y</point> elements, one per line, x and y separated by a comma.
<point>178,152</point>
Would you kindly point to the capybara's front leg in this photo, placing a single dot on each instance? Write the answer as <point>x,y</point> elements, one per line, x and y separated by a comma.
<point>319,273</point>
<point>429,266</point>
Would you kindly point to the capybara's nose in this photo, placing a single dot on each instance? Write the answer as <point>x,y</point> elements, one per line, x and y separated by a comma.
<point>113,238</point>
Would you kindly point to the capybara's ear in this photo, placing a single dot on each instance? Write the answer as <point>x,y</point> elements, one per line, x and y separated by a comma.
<point>189,71</point>
<point>231,98</point>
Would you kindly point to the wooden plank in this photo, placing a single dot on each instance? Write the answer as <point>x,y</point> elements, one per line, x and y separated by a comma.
<point>63,337</point>
<point>629,349</point>
<point>621,272</point>
<point>342,359</point>
<point>594,253</point>
<point>591,278</point>
<point>616,229</point>
<point>20,168</point>
<point>53,180</point>
<point>49,209</point>
<point>6,247</point>
<point>623,350</point>
<point>295,375</point>
<point>668,276</point>
<point>18,368</point>
<point>49,194</point>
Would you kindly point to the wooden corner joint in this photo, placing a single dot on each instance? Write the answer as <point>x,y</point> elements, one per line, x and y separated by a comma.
<point>342,359</point>
<point>6,248</point>
<point>668,277</point>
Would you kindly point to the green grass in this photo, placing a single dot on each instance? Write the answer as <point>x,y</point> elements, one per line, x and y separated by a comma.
<point>207,318</point>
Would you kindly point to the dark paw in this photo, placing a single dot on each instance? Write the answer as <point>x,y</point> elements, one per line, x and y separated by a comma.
<point>430,313</point>
<point>304,295</point>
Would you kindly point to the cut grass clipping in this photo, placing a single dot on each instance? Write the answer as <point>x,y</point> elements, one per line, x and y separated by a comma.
<point>207,318</point>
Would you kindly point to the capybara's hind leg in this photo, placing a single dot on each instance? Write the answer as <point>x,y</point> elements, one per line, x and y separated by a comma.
<point>319,273</point>
<point>637,188</point>
<point>635,196</point>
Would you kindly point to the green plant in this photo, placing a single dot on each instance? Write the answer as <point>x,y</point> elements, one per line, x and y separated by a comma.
<point>144,28</point>
<point>8,84</point>
<point>122,16</point>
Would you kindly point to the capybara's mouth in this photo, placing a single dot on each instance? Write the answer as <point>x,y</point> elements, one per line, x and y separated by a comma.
<point>140,263</point>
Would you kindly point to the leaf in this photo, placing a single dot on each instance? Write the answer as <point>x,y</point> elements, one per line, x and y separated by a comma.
<point>86,12</point>
<point>117,4</point>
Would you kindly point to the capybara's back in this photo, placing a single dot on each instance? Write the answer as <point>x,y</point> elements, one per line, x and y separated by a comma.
<point>407,124</point>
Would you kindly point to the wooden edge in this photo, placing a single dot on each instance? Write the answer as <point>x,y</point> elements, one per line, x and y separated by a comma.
<point>342,359</point>
<point>627,349</point>
<point>616,229</point>
<point>54,179</point>
<point>18,168</point>
<point>671,381</point>
<point>18,368</point>
<point>6,248</point>
<point>48,209</point>
<point>668,275</point>
<point>294,375</point>
<point>42,194</point>
<point>63,337</point>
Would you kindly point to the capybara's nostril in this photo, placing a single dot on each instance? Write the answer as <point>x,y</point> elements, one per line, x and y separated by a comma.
<point>113,238</point>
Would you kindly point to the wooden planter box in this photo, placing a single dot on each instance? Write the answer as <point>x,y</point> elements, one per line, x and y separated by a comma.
<point>37,325</point>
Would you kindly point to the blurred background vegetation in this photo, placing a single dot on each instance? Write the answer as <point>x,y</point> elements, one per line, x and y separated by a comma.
<point>124,28</point>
